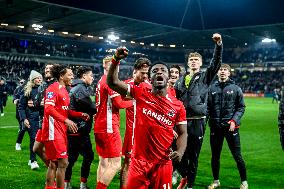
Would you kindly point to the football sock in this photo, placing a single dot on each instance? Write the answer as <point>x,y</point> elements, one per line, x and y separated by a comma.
<point>101,186</point>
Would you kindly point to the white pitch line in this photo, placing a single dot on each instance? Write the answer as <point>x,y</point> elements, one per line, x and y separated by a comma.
<point>8,127</point>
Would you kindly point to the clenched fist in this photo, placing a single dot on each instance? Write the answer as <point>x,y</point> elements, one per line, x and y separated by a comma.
<point>217,38</point>
<point>120,53</point>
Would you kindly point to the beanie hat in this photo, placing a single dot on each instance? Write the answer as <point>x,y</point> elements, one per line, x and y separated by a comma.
<point>34,74</point>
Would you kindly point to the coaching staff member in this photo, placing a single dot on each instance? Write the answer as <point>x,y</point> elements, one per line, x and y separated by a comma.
<point>225,108</point>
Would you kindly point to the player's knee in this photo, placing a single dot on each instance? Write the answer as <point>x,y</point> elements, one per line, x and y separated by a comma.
<point>52,165</point>
<point>63,163</point>
<point>116,164</point>
<point>104,162</point>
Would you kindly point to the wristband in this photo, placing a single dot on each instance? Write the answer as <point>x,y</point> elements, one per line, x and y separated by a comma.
<point>115,60</point>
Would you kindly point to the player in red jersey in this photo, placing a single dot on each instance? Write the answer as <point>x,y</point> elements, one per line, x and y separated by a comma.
<point>174,76</point>
<point>56,123</point>
<point>140,74</point>
<point>157,114</point>
<point>106,129</point>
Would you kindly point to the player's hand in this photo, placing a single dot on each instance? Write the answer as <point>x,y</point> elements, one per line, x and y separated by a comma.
<point>175,156</point>
<point>16,101</point>
<point>217,38</point>
<point>175,134</point>
<point>120,53</point>
<point>71,125</point>
<point>27,123</point>
<point>232,126</point>
<point>42,102</point>
<point>30,103</point>
<point>85,117</point>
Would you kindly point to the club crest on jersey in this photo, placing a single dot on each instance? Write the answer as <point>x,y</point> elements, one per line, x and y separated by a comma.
<point>230,92</point>
<point>49,94</point>
<point>171,114</point>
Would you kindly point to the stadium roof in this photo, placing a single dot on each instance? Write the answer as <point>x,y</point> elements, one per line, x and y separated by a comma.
<point>181,22</point>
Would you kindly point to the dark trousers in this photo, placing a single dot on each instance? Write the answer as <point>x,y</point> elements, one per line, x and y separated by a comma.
<point>32,133</point>
<point>1,104</point>
<point>79,145</point>
<point>189,163</point>
<point>21,132</point>
<point>217,136</point>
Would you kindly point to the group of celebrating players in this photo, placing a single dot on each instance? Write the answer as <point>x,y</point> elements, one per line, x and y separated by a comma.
<point>165,121</point>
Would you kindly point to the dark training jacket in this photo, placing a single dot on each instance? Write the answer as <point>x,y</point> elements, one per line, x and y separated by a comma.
<point>25,112</point>
<point>195,96</point>
<point>281,122</point>
<point>80,101</point>
<point>225,103</point>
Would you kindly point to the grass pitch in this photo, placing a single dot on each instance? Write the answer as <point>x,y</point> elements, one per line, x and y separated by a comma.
<point>260,148</point>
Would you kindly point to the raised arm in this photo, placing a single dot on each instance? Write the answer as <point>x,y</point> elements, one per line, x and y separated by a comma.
<point>112,77</point>
<point>216,61</point>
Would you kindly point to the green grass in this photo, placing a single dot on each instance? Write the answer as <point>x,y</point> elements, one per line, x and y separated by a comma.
<point>260,148</point>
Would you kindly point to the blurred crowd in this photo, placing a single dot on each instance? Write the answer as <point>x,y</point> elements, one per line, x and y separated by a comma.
<point>15,69</point>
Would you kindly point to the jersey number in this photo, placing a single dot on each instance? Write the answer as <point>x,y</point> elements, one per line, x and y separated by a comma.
<point>165,186</point>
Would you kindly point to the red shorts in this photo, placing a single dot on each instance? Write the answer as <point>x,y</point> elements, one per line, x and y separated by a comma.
<point>108,145</point>
<point>38,136</point>
<point>143,175</point>
<point>127,143</point>
<point>56,149</point>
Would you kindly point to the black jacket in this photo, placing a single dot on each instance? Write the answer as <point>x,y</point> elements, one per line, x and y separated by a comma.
<point>281,114</point>
<point>40,95</point>
<point>225,103</point>
<point>81,101</point>
<point>25,112</point>
<point>18,92</point>
<point>3,88</point>
<point>195,96</point>
<point>281,122</point>
<point>38,98</point>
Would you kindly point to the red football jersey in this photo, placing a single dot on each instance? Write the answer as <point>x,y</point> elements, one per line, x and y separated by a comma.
<point>55,112</point>
<point>156,118</point>
<point>131,111</point>
<point>172,91</point>
<point>107,116</point>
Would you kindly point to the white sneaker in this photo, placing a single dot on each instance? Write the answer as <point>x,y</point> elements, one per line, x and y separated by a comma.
<point>175,177</point>
<point>244,186</point>
<point>29,163</point>
<point>214,184</point>
<point>18,147</point>
<point>83,185</point>
<point>67,185</point>
<point>34,165</point>
<point>2,114</point>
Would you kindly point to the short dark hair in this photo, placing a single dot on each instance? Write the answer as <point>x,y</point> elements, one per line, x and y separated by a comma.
<point>58,69</point>
<point>82,70</point>
<point>141,62</point>
<point>155,63</point>
<point>177,67</point>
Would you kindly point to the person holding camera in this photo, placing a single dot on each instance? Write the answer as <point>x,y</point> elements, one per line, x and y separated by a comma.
<point>225,108</point>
